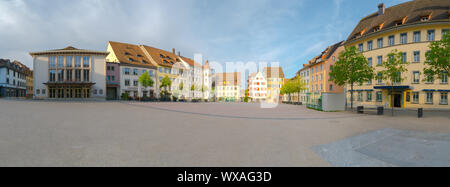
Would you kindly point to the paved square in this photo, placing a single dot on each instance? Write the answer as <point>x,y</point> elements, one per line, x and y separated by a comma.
<point>389,147</point>
<point>41,133</point>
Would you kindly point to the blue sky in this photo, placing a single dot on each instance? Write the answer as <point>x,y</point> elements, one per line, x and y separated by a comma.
<point>286,31</point>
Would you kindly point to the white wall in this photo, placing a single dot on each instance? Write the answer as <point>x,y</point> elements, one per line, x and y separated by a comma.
<point>98,74</point>
<point>40,76</point>
<point>333,102</point>
<point>132,78</point>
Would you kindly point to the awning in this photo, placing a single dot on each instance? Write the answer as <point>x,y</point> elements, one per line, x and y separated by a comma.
<point>390,87</point>
<point>428,90</point>
<point>443,90</point>
<point>70,84</point>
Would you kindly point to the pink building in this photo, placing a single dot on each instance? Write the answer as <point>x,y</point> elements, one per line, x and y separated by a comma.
<point>112,81</point>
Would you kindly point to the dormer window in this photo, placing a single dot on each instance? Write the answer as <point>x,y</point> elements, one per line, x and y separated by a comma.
<point>144,62</point>
<point>131,60</point>
<point>377,28</point>
<point>126,54</point>
<point>139,55</point>
<point>425,18</point>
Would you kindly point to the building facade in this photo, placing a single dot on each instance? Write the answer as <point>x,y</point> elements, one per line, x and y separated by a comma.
<point>227,86</point>
<point>320,69</point>
<point>13,81</point>
<point>408,28</point>
<point>112,81</point>
<point>69,73</point>
<point>257,87</point>
<point>275,80</point>
<point>304,74</point>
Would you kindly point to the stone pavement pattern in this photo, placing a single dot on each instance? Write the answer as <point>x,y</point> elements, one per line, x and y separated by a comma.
<point>186,134</point>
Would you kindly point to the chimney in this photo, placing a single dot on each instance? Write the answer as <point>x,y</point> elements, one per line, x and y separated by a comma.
<point>179,53</point>
<point>381,8</point>
<point>173,50</point>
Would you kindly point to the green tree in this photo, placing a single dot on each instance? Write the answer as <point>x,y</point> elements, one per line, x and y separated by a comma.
<point>438,58</point>
<point>393,69</point>
<point>165,82</point>
<point>193,90</point>
<point>246,96</point>
<point>288,88</point>
<point>146,80</point>
<point>298,86</point>
<point>352,67</point>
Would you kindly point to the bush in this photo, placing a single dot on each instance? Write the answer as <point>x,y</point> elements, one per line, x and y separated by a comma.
<point>125,97</point>
<point>206,100</point>
<point>174,99</point>
<point>246,99</point>
<point>165,96</point>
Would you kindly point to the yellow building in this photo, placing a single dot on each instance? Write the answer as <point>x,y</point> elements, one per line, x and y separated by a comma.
<point>409,28</point>
<point>275,80</point>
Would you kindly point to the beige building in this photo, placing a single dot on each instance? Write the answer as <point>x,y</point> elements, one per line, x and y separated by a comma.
<point>275,80</point>
<point>227,86</point>
<point>409,28</point>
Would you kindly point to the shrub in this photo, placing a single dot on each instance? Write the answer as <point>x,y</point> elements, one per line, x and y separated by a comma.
<point>125,97</point>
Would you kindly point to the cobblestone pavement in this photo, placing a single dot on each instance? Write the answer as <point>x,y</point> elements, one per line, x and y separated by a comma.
<point>40,133</point>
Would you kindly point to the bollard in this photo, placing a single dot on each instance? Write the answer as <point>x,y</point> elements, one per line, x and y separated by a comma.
<point>380,111</point>
<point>420,113</point>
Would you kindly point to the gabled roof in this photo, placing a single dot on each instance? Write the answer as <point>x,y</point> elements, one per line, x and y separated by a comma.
<point>191,62</point>
<point>273,72</point>
<point>69,50</point>
<point>162,57</point>
<point>406,13</point>
<point>130,54</point>
<point>234,78</point>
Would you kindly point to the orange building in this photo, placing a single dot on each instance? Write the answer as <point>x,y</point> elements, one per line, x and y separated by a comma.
<point>320,68</point>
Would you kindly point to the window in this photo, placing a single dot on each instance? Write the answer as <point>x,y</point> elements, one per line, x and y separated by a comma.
<point>380,78</point>
<point>444,98</point>
<point>369,96</point>
<point>369,45</point>
<point>52,63</point>
<point>416,77</point>
<point>78,75</point>
<point>424,18</point>
<point>380,42</point>
<point>331,87</point>
<point>444,78</point>
<point>399,78</point>
<point>112,68</point>
<point>360,47</point>
<point>143,71</point>
<point>360,96</point>
<point>415,97</point>
<point>370,61</point>
<point>77,61</point>
<point>127,82</point>
<point>100,92</point>
<point>379,96</point>
<point>69,75</point>
<point>380,60</point>
<point>416,56</point>
<point>52,76</point>
<point>403,38</point>
<point>86,61</point>
<point>369,82</point>
<point>60,61</point>
<point>95,92</point>
<point>135,72</point>
<point>69,61</point>
<point>430,79</point>
<point>430,35</point>
<point>135,83</point>
<point>391,40</point>
<point>38,92</point>
<point>108,68</point>
<point>404,57</point>
<point>417,36</point>
<point>126,71</point>
<point>429,97</point>
<point>321,67</point>
<point>113,78</point>
<point>408,97</point>
<point>445,31</point>
<point>86,75</point>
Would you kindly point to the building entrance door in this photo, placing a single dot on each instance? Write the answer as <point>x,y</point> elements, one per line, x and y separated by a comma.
<point>397,100</point>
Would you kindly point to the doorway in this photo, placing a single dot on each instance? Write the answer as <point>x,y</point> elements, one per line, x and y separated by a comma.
<point>397,100</point>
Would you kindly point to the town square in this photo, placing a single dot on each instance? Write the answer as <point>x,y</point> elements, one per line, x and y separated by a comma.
<point>236,83</point>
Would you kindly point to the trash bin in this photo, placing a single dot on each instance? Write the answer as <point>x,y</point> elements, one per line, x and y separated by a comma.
<point>420,113</point>
<point>380,110</point>
<point>360,109</point>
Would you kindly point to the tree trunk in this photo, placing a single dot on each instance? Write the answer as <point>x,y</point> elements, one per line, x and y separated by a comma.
<point>392,98</point>
<point>351,96</point>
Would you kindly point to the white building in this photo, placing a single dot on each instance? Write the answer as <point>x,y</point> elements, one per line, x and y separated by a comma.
<point>257,87</point>
<point>12,79</point>
<point>304,75</point>
<point>69,73</point>
<point>207,82</point>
